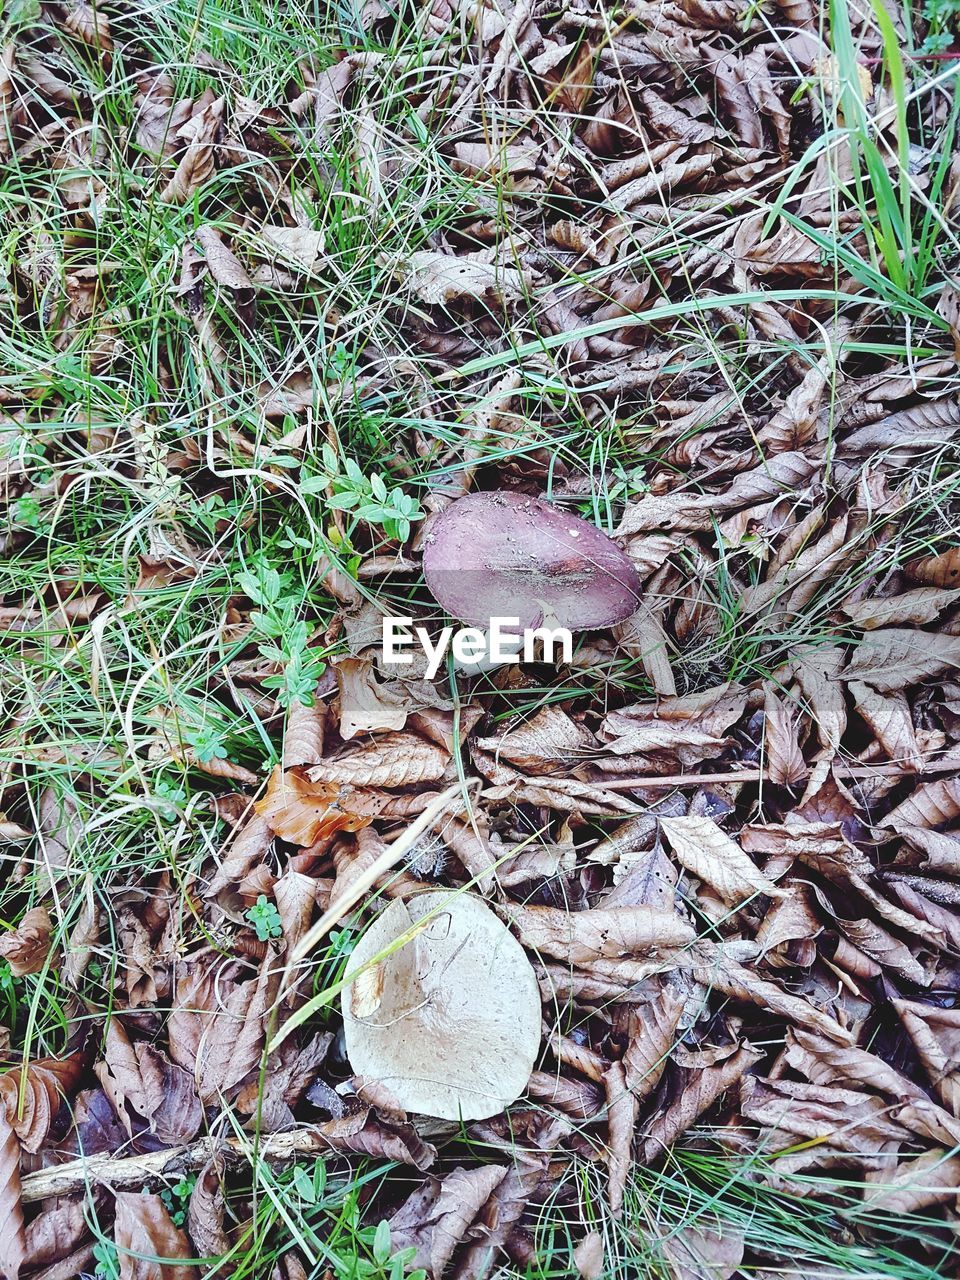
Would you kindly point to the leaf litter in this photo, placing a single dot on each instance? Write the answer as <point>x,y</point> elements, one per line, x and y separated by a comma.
<point>702,896</point>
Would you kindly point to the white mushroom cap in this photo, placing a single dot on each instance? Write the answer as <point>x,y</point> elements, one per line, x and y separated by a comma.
<point>450,1020</point>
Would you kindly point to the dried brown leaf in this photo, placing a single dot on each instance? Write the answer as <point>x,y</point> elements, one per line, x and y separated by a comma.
<point>700,1091</point>
<point>784,759</point>
<point>437,1217</point>
<point>888,715</point>
<point>653,1034</point>
<point>198,163</point>
<point>143,1231</point>
<point>924,604</point>
<point>892,659</point>
<point>393,760</point>
<point>12,1237</point>
<point>622,1109</point>
<point>580,937</point>
<point>304,812</point>
<point>709,853</point>
<point>26,948</point>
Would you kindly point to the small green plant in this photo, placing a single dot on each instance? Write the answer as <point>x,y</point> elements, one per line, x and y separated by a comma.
<point>170,798</point>
<point>27,512</point>
<point>177,1198</point>
<point>207,743</point>
<point>282,637</point>
<point>9,993</point>
<point>265,918</point>
<point>107,1260</point>
<point>943,17</point>
<point>367,497</point>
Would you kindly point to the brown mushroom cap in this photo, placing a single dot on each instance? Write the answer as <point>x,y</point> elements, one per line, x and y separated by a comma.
<point>507,555</point>
<point>449,1021</point>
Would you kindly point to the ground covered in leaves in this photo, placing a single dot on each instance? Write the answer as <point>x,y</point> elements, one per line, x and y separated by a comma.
<point>278,287</point>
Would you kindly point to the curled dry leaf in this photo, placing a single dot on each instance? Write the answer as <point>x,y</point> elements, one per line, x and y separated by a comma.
<point>784,759</point>
<point>26,948</point>
<point>622,1109</point>
<point>393,760</point>
<point>710,854</point>
<point>653,1033</point>
<point>447,1015</point>
<point>580,937</point>
<point>366,705</point>
<point>304,812</point>
<point>700,1091</point>
<point>206,1214</point>
<point>436,1218</point>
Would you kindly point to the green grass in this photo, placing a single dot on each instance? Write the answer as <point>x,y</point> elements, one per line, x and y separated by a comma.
<point>141,435</point>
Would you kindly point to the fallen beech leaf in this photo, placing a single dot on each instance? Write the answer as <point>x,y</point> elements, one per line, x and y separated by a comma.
<point>366,705</point>
<point>784,759</point>
<point>31,1096</point>
<point>437,278</point>
<point>622,1109</point>
<point>930,805</point>
<point>143,1231</point>
<point>12,1238</point>
<point>217,1023</point>
<point>457,1027</point>
<point>642,636</point>
<point>701,1090</point>
<point>919,606</point>
<point>55,1234</point>
<point>893,658</point>
<point>301,246</point>
<point>197,165</point>
<point>580,937</point>
<point>936,1038</point>
<point>90,25</point>
<point>578,1098</point>
<point>710,854</point>
<point>888,715</point>
<point>653,1034</point>
<point>25,948</point>
<point>206,1214</point>
<point>717,971</point>
<point>304,812</point>
<point>817,672</point>
<point>393,760</point>
<point>437,1217</point>
<point>304,734</point>
<point>386,1138</point>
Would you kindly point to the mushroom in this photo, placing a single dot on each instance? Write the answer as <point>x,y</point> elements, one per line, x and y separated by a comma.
<point>507,555</point>
<point>448,1020</point>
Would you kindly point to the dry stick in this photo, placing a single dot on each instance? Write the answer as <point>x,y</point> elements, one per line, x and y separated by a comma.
<point>343,903</point>
<point>760,775</point>
<point>121,1172</point>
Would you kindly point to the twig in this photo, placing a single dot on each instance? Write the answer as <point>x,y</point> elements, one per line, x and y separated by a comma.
<point>122,1172</point>
<point>760,775</point>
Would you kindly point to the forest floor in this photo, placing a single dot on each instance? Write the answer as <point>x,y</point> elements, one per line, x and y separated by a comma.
<point>279,285</point>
